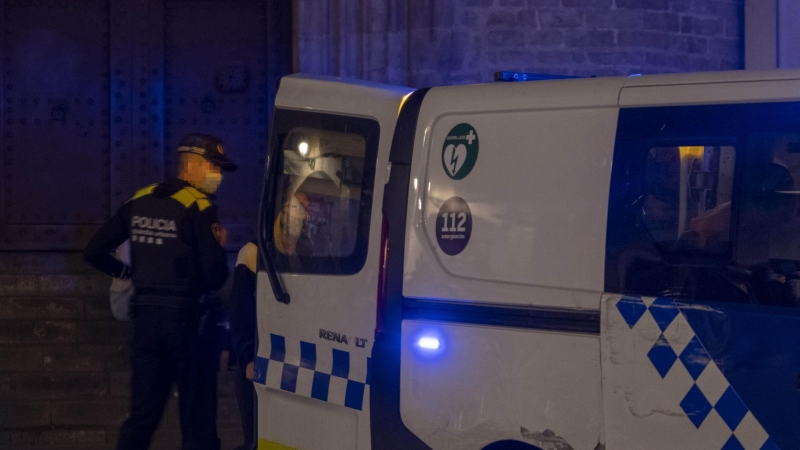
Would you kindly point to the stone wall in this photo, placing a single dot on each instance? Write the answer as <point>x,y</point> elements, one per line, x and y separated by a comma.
<point>440,42</point>
<point>65,362</point>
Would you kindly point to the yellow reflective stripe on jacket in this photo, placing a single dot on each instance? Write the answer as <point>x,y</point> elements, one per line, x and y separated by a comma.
<point>196,192</point>
<point>264,444</point>
<point>184,198</point>
<point>144,191</point>
<point>189,195</point>
<point>202,200</point>
<point>203,203</point>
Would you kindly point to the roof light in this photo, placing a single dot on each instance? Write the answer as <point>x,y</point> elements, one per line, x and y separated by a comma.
<point>303,148</point>
<point>522,76</point>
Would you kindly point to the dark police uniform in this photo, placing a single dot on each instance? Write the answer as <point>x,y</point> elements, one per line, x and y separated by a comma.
<point>175,259</point>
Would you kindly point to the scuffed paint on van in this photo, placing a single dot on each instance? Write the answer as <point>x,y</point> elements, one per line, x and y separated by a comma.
<point>546,440</point>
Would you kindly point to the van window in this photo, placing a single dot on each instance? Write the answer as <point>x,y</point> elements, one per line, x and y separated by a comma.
<point>319,221</point>
<point>713,214</point>
<point>768,231</point>
<point>687,198</point>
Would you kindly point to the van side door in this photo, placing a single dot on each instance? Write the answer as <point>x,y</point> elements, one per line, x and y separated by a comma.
<point>701,321</point>
<point>320,231</point>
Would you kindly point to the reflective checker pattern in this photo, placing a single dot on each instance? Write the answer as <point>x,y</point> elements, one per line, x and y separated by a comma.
<point>679,348</point>
<point>330,376</point>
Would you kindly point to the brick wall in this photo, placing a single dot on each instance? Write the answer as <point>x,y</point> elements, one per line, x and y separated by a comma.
<point>440,42</point>
<point>64,361</point>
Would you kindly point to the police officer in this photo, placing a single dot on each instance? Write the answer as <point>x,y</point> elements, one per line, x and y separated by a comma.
<point>176,256</point>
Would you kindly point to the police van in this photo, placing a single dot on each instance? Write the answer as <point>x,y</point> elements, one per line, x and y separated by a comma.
<point>600,263</point>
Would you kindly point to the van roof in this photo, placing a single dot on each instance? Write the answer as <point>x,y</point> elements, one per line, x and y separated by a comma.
<point>569,93</point>
<point>647,90</point>
<point>732,76</point>
<point>322,93</point>
<point>338,95</point>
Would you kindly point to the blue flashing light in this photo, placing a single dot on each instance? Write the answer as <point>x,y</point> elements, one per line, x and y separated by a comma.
<point>522,76</point>
<point>429,343</point>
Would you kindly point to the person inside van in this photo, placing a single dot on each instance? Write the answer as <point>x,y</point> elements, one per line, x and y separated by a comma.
<point>684,215</point>
<point>769,205</point>
<point>302,232</point>
<point>290,225</point>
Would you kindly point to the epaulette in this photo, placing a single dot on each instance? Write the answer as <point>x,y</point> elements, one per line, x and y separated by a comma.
<point>144,191</point>
<point>189,195</point>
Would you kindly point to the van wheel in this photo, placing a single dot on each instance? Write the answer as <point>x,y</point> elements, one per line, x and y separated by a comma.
<point>510,445</point>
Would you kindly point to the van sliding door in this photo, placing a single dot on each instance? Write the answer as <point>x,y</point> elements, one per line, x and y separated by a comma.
<point>703,263</point>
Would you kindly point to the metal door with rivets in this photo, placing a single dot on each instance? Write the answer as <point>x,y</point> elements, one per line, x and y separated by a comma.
<point>55,141</point>
<point>96,94</point>
<point>216,83</point>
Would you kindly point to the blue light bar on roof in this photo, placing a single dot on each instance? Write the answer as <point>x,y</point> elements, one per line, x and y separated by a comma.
<point>522,76</point>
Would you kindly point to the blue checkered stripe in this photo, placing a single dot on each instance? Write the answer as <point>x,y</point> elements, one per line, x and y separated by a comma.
<point>678,347</point>
<point>334,377</point>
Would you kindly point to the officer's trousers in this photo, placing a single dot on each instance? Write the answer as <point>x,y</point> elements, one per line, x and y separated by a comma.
<point>165,349</point>
<point>246,398</point>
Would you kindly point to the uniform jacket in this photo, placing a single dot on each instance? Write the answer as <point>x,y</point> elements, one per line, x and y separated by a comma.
<point>174,255</point>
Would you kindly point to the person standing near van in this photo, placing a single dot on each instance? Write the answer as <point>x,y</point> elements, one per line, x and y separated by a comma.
<point>242,317</point>
<point>177,257</point>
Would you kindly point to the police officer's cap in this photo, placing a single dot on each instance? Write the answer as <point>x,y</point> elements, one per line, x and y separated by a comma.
<point>209,147</point>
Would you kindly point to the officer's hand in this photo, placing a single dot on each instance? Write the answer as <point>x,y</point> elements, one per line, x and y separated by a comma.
<point>249,371</point>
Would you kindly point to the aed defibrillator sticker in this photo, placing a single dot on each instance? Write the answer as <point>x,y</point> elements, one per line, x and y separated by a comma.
<point>454,226</point>
<point>460,151</point>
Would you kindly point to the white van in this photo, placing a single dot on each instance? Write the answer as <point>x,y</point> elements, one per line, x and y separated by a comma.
<point>601,263</point>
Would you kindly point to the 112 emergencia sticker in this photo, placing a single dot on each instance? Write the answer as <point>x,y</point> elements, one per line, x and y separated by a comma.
<point>454,226</point>
<point>460,151</point>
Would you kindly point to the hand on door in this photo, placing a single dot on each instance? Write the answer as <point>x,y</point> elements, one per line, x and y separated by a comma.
<point>249,371</point>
